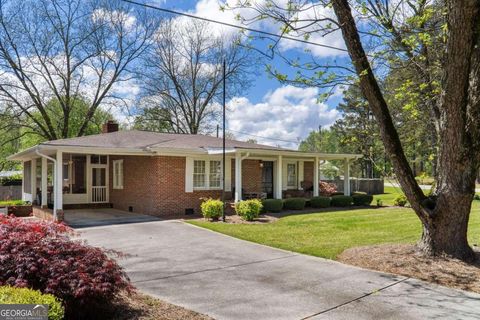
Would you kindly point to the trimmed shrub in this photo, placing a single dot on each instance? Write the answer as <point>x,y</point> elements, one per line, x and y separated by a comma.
<point>212,208</point>
<point>12,295</point>
<point>249,209</point>
<point>41,256</point>
<point>272,205</point>
<point>362,199</point>
<point>337,194</point>
<point>400,201</point>
<point>294,204</point>
<point>320,202</point>
<point>326,189</point>
<point>476,197</point>
<point>342,201</point>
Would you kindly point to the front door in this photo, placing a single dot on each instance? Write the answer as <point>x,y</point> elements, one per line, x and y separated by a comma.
<point>99,184</point>
<point>267,178</point>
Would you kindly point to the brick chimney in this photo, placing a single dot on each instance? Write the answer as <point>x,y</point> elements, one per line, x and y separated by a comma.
<point>110,126</point>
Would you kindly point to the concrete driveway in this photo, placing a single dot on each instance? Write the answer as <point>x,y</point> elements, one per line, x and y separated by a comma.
<point>83,218</point>
<point>227,278</point>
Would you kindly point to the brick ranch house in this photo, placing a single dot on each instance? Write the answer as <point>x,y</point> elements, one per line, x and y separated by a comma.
<point>161,173</point>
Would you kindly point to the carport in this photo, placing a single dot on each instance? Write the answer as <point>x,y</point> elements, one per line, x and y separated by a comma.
<point>83,218</point>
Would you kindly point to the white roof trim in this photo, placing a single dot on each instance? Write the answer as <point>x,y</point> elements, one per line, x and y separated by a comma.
<point>31,152</point>
<point>220,150</point>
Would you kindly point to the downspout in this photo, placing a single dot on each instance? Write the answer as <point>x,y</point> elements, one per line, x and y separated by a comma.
<point>55,191</point>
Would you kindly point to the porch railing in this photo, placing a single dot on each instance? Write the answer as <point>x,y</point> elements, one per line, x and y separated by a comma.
<point>99,194</point>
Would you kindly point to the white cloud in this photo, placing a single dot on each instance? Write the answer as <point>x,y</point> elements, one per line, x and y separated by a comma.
<point>287,113</point>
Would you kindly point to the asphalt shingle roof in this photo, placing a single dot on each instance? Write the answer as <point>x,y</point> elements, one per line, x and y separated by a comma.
<point>142,139</point>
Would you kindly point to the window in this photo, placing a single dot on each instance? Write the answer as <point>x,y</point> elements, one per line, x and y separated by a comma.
<point>74,174</point>
<point>207,174</point>
<point>117,174</point>
<point>98,159</point>
<point>199,174</point>
<point>291,175</point>
<point>215,174</point>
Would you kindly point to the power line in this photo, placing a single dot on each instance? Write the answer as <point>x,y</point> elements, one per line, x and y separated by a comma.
<point>261,137</point>
<point>233,25</point>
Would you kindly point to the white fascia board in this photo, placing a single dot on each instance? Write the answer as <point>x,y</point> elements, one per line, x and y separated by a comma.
<point>301,154</point>
<point>220,150</point>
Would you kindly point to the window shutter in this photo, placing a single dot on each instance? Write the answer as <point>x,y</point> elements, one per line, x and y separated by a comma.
<point>188,174</point>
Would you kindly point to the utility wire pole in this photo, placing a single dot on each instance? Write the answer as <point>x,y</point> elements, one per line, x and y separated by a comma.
<point>223,142</point>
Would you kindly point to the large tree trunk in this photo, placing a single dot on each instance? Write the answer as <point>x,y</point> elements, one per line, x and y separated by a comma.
<point>445,216</point>
<point>446,232</point>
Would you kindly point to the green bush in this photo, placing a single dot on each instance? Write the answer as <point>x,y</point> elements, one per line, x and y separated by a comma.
<point>338,193</point>
<point>294,204</point>
<point>400,201</point>
<point>12,295</point>
<point>476,197</point>
<point>9,203</point>
<point>272,205</point>
<point>212,208</point>
<point>249,209</point>
<point>321,202</point>
<point>342,201</point>
<point>362,199</point>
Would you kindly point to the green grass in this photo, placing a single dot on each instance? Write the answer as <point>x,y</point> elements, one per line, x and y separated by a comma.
<point>328,234</point>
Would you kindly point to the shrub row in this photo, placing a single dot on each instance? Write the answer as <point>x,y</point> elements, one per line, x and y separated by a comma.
<point>250,209</point>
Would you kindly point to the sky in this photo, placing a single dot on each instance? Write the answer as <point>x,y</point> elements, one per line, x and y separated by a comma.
<point>269,112</point>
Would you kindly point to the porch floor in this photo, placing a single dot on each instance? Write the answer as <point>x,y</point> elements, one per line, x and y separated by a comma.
<point>84,218</point>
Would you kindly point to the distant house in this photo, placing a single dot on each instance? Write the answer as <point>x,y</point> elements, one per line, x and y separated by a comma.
<point>161,173</point>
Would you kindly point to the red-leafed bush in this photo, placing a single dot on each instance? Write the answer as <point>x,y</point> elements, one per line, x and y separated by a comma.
<point>41,256</point>
<point>326,189</point>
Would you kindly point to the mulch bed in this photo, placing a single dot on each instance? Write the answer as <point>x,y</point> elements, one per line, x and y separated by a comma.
<point>406,261</point>
<point>235,219</point>
<point>140,306</point>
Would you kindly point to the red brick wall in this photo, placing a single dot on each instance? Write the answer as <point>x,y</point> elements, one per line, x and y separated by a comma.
<point>308,174</point>
<point>251,175</point>
<point>156,186</point>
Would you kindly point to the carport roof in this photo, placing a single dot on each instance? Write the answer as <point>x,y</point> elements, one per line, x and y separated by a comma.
<point>145,142</point>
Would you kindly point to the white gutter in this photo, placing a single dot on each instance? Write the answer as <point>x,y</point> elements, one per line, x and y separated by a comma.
<point>55,188</point>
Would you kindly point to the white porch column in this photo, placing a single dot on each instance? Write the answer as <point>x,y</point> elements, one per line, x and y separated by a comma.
<point>44,183</point>
<point>24,197</point>
<point>315,177</point>
<point>238,177</point>
<point>346,177</point>
<point>33,179</point>
<point>278,177</point>
<point>59,182</point>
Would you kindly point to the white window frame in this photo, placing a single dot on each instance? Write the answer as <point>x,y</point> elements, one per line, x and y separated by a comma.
<point>207,174</point>
<point>294,185</point>
<point>118,180</point>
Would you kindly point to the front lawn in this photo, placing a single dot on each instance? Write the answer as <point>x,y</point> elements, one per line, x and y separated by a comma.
<point>327,234</point>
